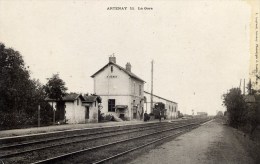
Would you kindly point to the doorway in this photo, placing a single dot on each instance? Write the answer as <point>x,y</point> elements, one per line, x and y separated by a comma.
<point>87,112</point>
<point>60,111</point>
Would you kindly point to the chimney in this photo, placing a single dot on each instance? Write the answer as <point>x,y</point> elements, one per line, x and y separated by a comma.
<point>128,66</point>
<point>112,59</point>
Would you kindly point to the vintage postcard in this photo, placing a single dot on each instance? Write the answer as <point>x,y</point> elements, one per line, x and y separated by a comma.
<point>132,81</point>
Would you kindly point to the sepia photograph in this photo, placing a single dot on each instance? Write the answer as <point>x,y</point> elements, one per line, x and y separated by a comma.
<point>129,81</point>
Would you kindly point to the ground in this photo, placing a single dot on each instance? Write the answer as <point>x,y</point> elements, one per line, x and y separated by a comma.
<point>210,143</point>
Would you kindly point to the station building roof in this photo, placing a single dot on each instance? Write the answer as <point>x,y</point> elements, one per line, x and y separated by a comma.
<point>132,75</point>
<point>90,99</point>
<point>160,97</point>
<point>74,96</point>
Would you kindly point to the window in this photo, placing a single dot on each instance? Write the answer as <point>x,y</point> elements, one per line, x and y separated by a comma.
<point>134,88</point>
<point>111,105</point>
<point>112,69</point>
<point>140,90</point>
<point>77,101</point>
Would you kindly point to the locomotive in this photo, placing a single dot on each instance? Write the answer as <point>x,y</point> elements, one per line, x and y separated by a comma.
<point>159,110</point>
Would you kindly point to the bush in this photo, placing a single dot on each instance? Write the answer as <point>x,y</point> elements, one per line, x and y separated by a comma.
<point>240,114</point>
<point>236,107</point>
<point>106,117</point>
<point>250,119</point>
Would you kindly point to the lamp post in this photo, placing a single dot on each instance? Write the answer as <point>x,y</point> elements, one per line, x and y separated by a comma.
<point>54,109</point>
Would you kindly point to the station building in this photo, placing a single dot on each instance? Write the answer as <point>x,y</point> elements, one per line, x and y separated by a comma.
<point>122,92</point>
<point>171,107</point>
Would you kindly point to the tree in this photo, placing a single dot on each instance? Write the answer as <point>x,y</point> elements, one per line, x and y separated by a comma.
<point>220,114</point>
<point>251,117</point>
<point>19,95</point>
<point>15,87</point>
<point>14,80</point>
<point>37,97</point>
<point>55,88</point>
<point>236,107</point>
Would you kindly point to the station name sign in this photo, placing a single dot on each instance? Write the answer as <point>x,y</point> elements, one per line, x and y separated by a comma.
<point>112,76</point>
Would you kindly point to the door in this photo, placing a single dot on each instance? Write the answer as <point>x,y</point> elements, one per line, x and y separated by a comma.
<point>87,112</point>
<point>60,111</point>
<point>134,112</point>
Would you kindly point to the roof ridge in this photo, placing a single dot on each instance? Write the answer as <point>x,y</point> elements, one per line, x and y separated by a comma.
<point>128,72</point>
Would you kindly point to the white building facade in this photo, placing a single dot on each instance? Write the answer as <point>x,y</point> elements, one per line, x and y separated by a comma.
<point>121,90</point>
<point>75,108</point>
<point>170,106</point>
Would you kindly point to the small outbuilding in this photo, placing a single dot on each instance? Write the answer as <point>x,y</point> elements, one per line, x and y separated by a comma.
<point>75,108</point>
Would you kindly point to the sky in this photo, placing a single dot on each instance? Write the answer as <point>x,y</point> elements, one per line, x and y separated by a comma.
<point>200,48</point>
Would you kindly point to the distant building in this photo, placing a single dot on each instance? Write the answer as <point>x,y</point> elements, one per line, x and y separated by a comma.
<point>170,106</point>
<point>75,108</point>
<point>202,113</point>
<point>120,89</point>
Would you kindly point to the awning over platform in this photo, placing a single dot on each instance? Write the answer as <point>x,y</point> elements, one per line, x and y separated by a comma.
<point>121,106</point>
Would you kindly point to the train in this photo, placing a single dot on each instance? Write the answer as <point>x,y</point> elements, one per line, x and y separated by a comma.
<point>159,110</point>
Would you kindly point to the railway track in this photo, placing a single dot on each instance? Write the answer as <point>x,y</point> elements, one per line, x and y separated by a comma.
<point>18,141</point>
<point>64,134</point>
<point>11,150</point>
<point>65,148</point>
<point>44,140</point>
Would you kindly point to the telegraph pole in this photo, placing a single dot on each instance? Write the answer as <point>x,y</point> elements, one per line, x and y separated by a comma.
<point>244,88</point>
<point>240,85</point>
<point>152,88</point>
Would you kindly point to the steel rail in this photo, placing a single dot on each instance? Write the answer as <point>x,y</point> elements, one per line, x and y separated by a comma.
<point>70,130</point>
<point>104,145</point>
<point>81,129</point>
<point>84,140</point>
<point>72,136</point>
